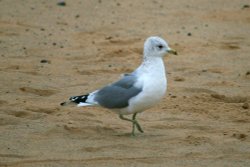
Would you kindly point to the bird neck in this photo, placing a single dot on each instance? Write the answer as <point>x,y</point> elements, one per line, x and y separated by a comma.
<point>152,64</point>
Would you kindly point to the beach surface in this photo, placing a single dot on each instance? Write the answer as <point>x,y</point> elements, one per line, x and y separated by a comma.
<point>50,52</point>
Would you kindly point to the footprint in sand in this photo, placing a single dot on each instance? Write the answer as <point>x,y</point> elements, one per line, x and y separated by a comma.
<point>240,136</point>
<point>40,92</point>
<point>197,140</point>
<point>230,45</point>
<point>232,99</point>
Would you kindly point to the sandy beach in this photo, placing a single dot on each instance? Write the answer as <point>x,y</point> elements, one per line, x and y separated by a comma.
<point>50,52</point>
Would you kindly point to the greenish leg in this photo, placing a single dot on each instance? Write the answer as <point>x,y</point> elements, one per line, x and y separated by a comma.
<point>135,123</point>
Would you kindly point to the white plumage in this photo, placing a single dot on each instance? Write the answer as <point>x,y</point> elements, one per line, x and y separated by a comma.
<point>136,91</point>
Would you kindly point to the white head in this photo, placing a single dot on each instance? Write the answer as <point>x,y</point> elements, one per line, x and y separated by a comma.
<point>157,47</point>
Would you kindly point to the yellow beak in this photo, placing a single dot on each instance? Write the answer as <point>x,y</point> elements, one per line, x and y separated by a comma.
<point>172,51</point>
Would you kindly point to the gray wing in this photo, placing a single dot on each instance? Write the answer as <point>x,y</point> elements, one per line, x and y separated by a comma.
<point>117,95</point>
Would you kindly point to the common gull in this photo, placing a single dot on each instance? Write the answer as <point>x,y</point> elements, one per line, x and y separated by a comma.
<point>134,92</point>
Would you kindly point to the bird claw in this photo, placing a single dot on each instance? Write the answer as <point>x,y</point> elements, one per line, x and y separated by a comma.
<point>134,124</point>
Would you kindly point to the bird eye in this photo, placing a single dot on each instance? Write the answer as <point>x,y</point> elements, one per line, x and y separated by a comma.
<point>160,46</point>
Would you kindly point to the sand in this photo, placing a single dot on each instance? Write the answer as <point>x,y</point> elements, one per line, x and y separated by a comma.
<point>50,52</point>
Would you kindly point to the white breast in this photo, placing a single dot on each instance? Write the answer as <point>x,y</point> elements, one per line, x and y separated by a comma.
<point>154,85</point>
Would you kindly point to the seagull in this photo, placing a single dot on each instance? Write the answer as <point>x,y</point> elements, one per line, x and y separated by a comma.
<point>134,92</point>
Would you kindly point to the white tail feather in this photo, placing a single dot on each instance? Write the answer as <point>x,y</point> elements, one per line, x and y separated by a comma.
<point>83,104</point>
